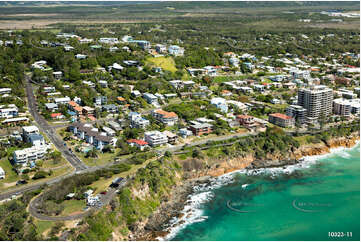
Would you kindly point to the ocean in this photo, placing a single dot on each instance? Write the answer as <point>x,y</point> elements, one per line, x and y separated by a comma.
<point>318,199</point>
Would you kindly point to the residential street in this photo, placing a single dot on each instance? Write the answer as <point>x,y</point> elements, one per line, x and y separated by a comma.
<point>50,131</point>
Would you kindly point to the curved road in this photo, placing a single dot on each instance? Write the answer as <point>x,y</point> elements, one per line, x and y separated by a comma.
<point>105,199</point>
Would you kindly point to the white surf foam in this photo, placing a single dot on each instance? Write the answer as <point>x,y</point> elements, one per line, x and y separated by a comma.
<point>193,212</point>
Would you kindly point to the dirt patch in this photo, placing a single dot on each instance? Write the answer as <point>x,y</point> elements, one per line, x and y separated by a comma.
<point>43,23</point>
<point>31,15</point>
<point>342,25</point>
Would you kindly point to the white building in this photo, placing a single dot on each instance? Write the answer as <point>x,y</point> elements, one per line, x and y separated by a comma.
<point>111,41</point>
<point>28,130</point>
<point>5,90</point>
<point>346,107</point>
<point>22,157</point>
<point>317,100</point>
<point>2,173</point>
<point>8,111</point>
<point>137,121</point>
<point>155,138</point>
<point>62,100</point>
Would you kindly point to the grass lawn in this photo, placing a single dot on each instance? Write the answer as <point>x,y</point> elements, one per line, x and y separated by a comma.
<point>10,174</point>
<point>57,172</point>
<point>71,206</point>
<point>43,226</point>
<point>50,163</point>
<point>102,159</point>
<point>167,63</point>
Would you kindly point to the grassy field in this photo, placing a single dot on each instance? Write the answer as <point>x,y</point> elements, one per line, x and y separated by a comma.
<point>10,174</point>
<point>72,206</point>
<point>167,63</point>
<point>43,226</point>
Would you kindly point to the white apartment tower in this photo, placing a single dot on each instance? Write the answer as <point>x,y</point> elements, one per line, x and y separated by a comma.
<point>317,100</point>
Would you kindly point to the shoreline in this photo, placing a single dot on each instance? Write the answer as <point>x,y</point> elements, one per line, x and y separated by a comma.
<point>181,207</point>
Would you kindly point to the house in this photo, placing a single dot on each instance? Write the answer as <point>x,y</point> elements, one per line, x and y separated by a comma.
<point>5,90</point>
<point>167,118</point>
<point>27,130</point>
<point>137,121</point>
<point>51,106</point>
<point>109,131</point>
<point>172,138</point>
<point>80,56</point>
<point>185,132</point>
<point>2,173</point>
<point>111,41</point>
<point>220,103</point>
<point>103,83</point>
<point>289,85</point>
<point>246,90</point>
<point>8,111</point>
<point>87,110</point>
<point>275,101</point>
<point>121,100</point>
<point>85,41</point>
<point>57,75</point>
<point>136,93</point>
<point>175,50</point>
<point>177,84</point>
<point>131,63</point>
<point>115,125</point>
<point>110,108</point>
<point>160,48</point>
<point>226,93</point>
<point>155,138</point>
<point>281,120</point>
<point>68,48</point>
<point>15,120</point>
<point>100,100</point>
<point>49,89</point>
<point>210,70</point>
<point>199,129</point>
<point>234,61</point>
<point>56,116</point>
<point>245,120</point>
<point>258,87</point>
<point>113,49</point>
<point>62,100</point>
<point>89,83</point>
<point>150,98</point>
<point>140,144</point>
<point>36,140</point>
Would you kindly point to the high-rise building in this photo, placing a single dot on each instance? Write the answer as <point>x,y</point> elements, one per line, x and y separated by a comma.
<point>317,100</point>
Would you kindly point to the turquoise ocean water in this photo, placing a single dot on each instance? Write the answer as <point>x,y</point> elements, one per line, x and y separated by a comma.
<point>303,202</point>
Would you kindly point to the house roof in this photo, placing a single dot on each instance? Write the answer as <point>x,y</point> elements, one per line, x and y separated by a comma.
<point>73,104</point>
<point>78,108</point>
<point>137,141</point>
<point>54,115</point>
<point>166,114</point>
<point>280,115</point>
<point>244,116</point>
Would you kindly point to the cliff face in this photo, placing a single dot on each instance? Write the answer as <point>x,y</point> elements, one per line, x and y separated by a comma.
<point>193,169</point>
<point>276,159</point>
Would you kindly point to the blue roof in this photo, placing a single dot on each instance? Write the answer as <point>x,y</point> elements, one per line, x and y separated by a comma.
<point>34,137</point>
<point>71,113</point>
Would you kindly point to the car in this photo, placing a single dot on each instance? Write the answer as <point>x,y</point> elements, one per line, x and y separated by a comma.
<point>103,192</point>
